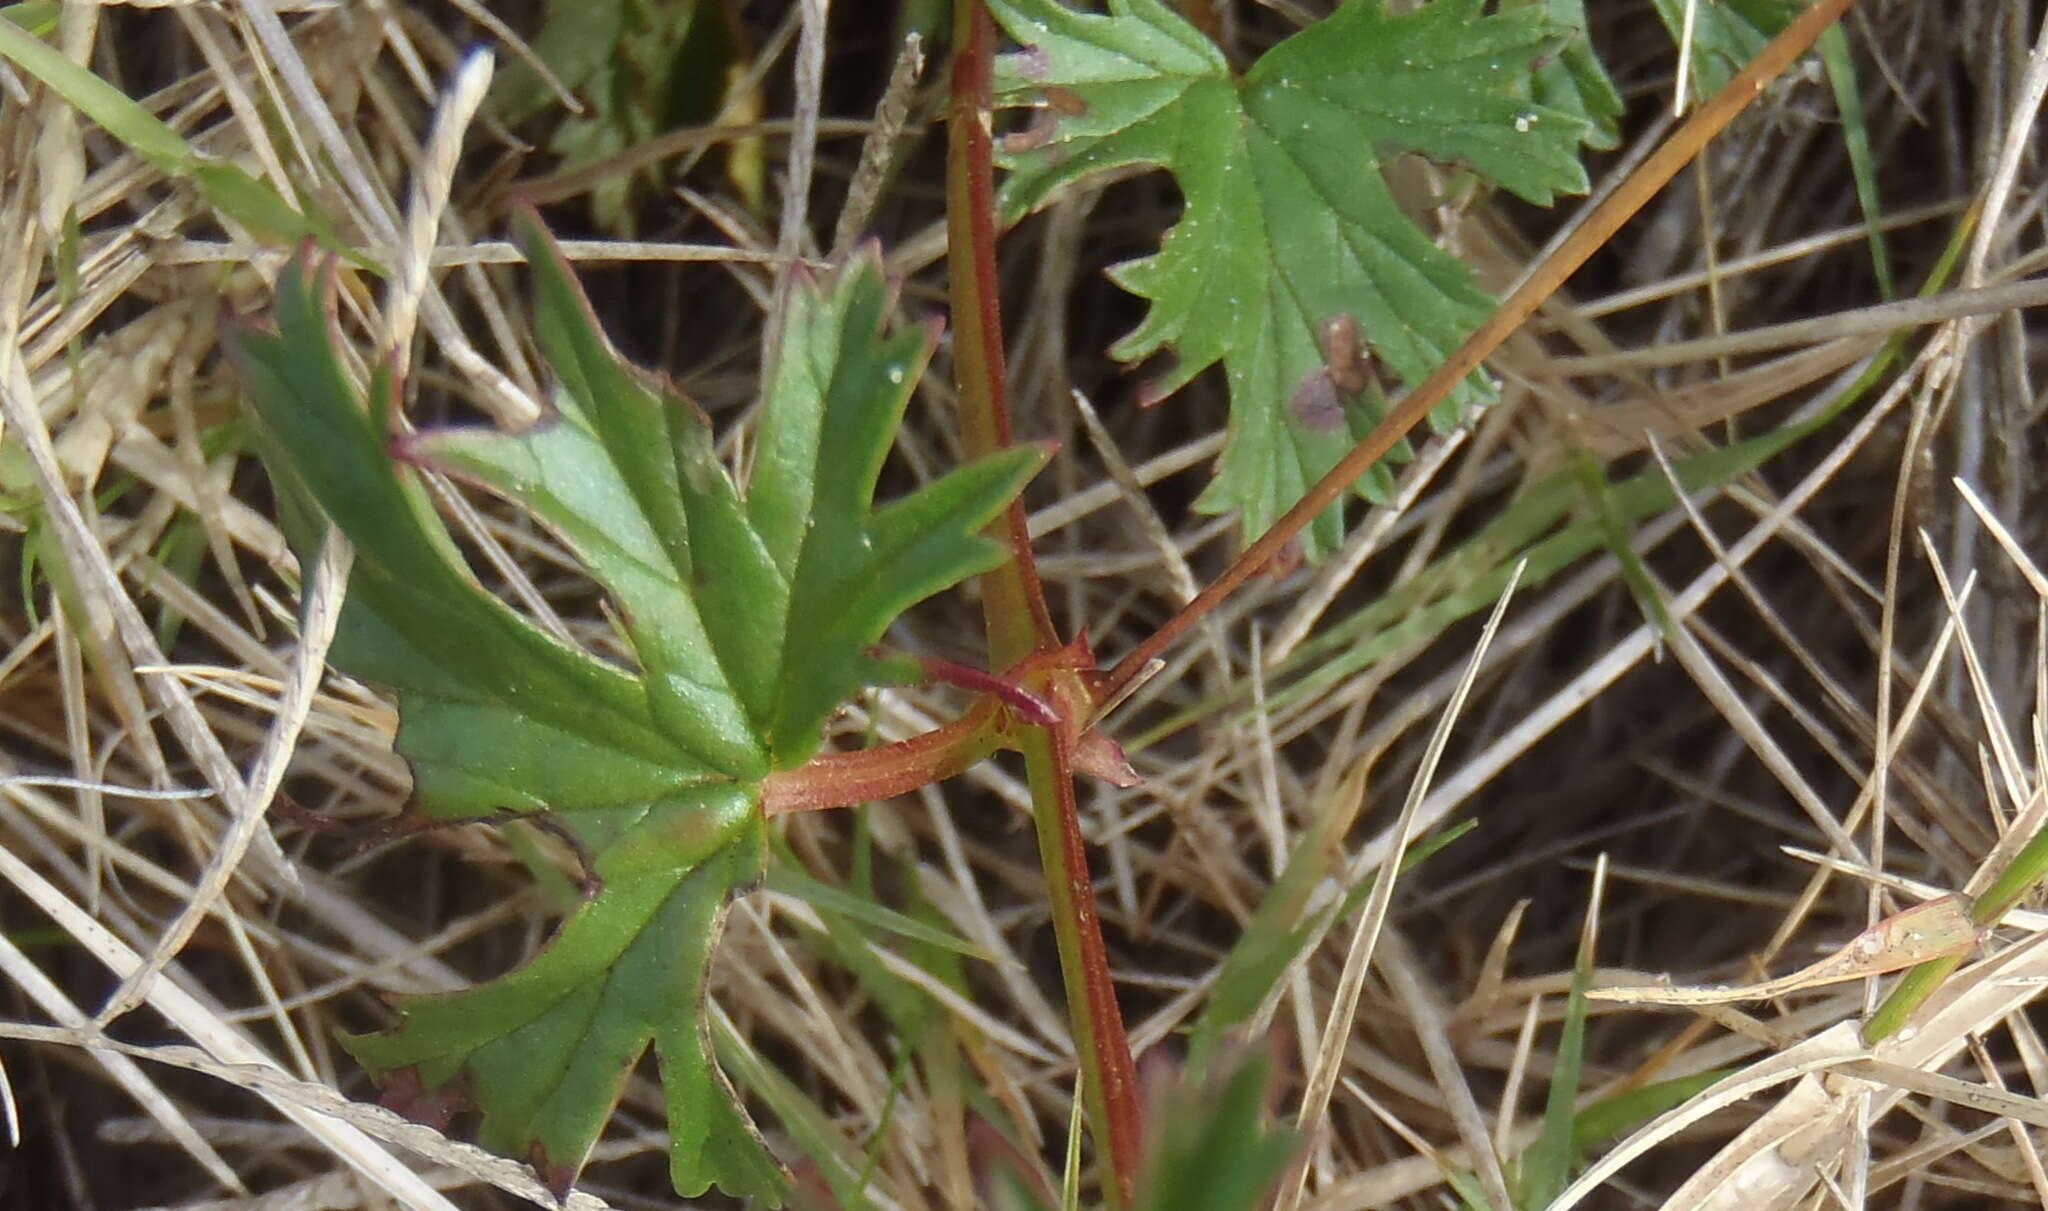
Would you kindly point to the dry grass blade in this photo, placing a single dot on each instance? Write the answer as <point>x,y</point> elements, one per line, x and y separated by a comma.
<point>1864,321</point>
<point>200,810</point>
<point>878,151</point>
<point>52,1001</point>
<point>1344,1004</point>
<point>1786,1151</point>
<point>223,1043</point>
<point>1937,929</point>
<point>323,612</point>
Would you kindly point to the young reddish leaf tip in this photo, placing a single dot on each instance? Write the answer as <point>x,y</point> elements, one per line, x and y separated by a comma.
<point>1044,447</point>
<point>1098,756</point>
<point>1072,681</point>
<point>322,271</point>
<point>404,449</point>
<point>559,1179</point>
<point>870,250</point>
<point>1152,393</point>
<point>312,262</point>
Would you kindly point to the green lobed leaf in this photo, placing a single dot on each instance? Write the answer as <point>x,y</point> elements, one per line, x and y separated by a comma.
<point>755,614</point>
<point>1576,81</point>
<point>749,618</point>
<point>547,1047</point>
<point>1288,224</point>
<point>482,689</point>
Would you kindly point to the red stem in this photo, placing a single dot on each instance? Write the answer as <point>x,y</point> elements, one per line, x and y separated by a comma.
<point>1114,1069</point>
<point>1019,623</point>
<point>1026,705</point>
<point>1014,591</point>
<point>871,775</point>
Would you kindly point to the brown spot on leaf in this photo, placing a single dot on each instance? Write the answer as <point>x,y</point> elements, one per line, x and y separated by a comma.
<point>1315,403</point>
<point>405,1095</point>
<point>1032,137</point>
<point>1345,355</point>
<point>1065,100</point>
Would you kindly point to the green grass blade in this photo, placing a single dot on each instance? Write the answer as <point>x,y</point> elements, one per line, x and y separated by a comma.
<point>1841,69</point>
<point>247,201</point>
<point>110,108</point>
<point>1609,1117</point>
<point>38,19</point>
<point>825,897</point>
<point>838,1164</point>
<point>1549,1164</point>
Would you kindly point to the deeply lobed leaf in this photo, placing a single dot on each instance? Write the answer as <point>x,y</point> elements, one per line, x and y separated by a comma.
<point>1289,227</point>
<point>749,617</point>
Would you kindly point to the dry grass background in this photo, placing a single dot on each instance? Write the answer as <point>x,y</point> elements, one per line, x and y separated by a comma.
<point>1822,660</point>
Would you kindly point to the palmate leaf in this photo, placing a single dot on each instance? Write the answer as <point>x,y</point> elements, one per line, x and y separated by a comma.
<point>749,617</point>
<point>1288,226</point>
<point>1575,80</point>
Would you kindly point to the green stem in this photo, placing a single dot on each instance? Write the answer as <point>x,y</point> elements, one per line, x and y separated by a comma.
<point>2020,876</point>
<point>1109,1085</point>
<point>1907,995</point>
<point>1019,623</point>
<point>2026,870</point>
